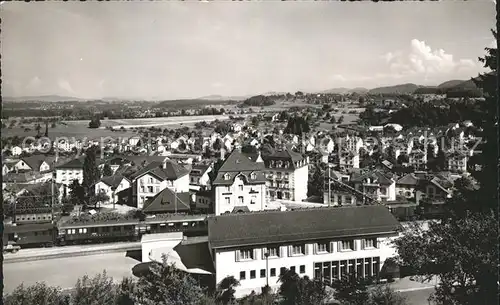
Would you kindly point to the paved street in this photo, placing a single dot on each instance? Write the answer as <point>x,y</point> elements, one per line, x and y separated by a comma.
<point>64,272</point>
<point>418,297</point>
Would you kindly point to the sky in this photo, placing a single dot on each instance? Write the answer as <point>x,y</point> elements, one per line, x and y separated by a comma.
<point>170,50</point>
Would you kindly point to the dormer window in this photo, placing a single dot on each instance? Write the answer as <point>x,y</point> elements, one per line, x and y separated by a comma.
<point>227,176</point>
<point>253,176</point>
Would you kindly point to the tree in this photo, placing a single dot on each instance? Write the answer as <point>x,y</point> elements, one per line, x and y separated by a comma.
<point>466,267</point>
<point>91,173</point>
<point>107,171</point>
<point>97,290</point>
<point>316,181</point>
<point>40,294</point>
<point>46,129</point>
<point>225,290</point>
<point>125,292</point>
<point>95,123</point>
<point>340,119</point>
<point>77,194</point>
<point>166,285</point>
<point>351,290</point>
<point>300,291</point>
<point>38,128</point>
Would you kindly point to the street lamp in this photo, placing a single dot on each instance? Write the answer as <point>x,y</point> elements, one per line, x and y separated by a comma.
<point>266,255</point>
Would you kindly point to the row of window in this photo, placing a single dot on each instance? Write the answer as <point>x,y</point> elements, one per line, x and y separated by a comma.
<point>240,188</point>
<point>300,249</point>
<point>34,218</point>
<point>272,272</point>
<point>253,176</point>
<point>278,175</point>
<point>150,189</point>
<point>241,200</point>
<point>362,267</point>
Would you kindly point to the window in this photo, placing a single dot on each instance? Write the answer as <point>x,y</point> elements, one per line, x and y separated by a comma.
<point>142,188</point>
<point>242,275</point>
<point>227,176</point>
<point>347,245</point>
<point>383,191</point>
<point>240,187</point>
<point>322,247</point>
<point>150,189</point>
<point>150,180</point>
<point>302,269</point>
<point>273,251</point>
<point>292,268</point>
<point>282,270</point>
<point>228,189</point>
<point>240,200</point>
<point>273,272</point>
<point>228,200</point>
<point>246,254</point>
<point>262,273</point>
<point>253,176</point>
<point>252,274</point>
<point>369,243</point>
<point>298,250</point>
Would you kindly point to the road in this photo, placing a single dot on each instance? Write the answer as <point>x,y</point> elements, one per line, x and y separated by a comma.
<point>64,272</point>
<point>418,297</point>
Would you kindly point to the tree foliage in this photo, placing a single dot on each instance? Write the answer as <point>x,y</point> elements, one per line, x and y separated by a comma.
<point>166,285</point>
<point>296,290</point>
<point>297,125</point>
<point>95,123</point>
<point>107,171</point>
<point>91,173</point>
<point>40,294</point>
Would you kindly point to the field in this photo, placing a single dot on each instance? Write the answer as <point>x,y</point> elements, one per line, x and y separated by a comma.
<point>80,130</point>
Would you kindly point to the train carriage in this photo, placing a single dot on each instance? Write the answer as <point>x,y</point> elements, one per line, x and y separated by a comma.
<point>190,225</point>
<point>30,235</point>
<point>98,232</point>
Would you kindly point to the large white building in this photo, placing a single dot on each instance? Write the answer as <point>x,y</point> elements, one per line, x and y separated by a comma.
<point>69,171</point>
<point>287,174</point>
<point>155,177</point>
<point>319,243</point>
<point>240,185</point>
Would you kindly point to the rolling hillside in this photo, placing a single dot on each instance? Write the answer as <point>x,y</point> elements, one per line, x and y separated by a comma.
<point>399,89</point>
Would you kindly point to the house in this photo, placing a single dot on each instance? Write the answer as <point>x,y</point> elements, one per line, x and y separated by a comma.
<point>255,248</point>
<point>198,177</point>
<point>240,185</point>
<point>155,177</point>
<point>168,201</point>
<point>37,163</point>
<point>203,201</point>
<point>16,151</point>
<point>436,189</point>
<point>350,144</point>
<point>375,184</point>
<point>111,185</point>
<point>348,160</point>
<point>34,202</point>
<point>69,171</point>
<point>457,162</point>
<point>407,186</point>
<point>418,159</point>
<point>287,174</point>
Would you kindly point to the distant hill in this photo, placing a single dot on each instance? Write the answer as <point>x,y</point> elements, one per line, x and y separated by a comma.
<point>273,93</point>
<point>358,90</point>
<point>223,98</point>
<point>397,89</point>
<point>41,98</point>
<point>451,83</point>
<point>336,91</point>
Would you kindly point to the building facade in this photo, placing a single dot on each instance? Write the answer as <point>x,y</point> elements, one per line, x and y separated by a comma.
<point>319,243</point>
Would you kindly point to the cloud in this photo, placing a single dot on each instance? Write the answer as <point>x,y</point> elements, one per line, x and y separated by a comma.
<point>423,61</point>
<point>217,85</point>
<point>34,83</point>
<point>337,78</point>
<point>65,85</point>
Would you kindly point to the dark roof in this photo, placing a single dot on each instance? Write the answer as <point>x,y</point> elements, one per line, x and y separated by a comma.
<point>195,255</point>
<point>75,163</point>
<point>408,179</point>
<point>233,230</point>
<point>377,176</point>
<point>168,170</point>
<point>282,154</point>
<point>35,161</point>
<point>21,177</point>
<point>199,169</point>
<point>113,181</point>
<point>168,201</point>
<point>237,164</point>
<point>137,160</point>
<point>241,208</point>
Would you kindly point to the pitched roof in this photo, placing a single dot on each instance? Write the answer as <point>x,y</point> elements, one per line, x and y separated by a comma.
<point>113,181</point>
<point>408,179</point>
<point>236,164</point>
<point>168,170</point>
<point>199,169</point>
<point>168,201</point>
<point>232,230</point>
<point>284,154</point>
<point>34,161</point>
<point>374,175</point>
<point>75,163</point>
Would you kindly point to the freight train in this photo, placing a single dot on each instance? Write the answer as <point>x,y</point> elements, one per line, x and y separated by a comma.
<point>91,232</point>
